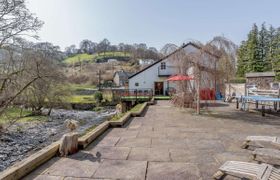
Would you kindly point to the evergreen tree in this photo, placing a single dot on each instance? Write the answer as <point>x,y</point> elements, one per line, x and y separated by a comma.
<point>263,48</point>
<point>242,59</point>
<point>276,55</point>
<point>255,63</point>
<point>272,45</point>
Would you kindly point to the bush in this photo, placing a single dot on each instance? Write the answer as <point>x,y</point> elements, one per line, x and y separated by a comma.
<point>97,109</point>
<point>98,96</point>
<point>238,80</point>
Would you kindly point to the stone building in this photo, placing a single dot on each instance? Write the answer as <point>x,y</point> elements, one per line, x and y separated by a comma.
<point>262,80</point>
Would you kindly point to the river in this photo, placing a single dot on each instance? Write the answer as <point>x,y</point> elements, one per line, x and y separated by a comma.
<point>23,139</point>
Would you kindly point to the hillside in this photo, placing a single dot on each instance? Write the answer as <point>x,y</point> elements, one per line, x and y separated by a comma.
<point>95,57</point>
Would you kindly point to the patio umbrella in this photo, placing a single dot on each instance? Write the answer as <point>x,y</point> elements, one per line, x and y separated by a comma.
<point>180,78</point>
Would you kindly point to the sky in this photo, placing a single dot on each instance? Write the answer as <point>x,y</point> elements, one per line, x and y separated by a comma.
<point>154,22</point>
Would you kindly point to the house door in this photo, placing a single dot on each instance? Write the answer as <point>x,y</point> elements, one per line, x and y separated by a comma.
<point>158,88</point>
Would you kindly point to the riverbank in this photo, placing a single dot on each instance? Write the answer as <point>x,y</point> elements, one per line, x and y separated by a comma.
<point>25,138</point>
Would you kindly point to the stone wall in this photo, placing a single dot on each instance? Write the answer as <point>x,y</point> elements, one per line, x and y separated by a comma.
<point>260,82</point>
<point>237,88</point>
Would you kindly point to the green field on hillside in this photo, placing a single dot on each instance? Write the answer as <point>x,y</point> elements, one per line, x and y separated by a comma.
<point>93,57</point>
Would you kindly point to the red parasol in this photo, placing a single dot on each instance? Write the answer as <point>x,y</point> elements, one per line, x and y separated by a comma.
<point>180,78</point>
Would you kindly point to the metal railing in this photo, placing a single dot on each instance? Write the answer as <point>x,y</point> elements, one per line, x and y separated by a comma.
<point>134,94</point>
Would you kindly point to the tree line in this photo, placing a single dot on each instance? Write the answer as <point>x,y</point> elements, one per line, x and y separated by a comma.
<point>260,52</point>
<point>140,50</point>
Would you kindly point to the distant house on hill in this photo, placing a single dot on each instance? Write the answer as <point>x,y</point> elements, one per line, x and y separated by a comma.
<point>144,62</point>
<point>120,78</point>
<point>155,75</point>
<point>112,60</point>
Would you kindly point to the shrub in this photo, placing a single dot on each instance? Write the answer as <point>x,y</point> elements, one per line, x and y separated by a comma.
<point>97,109</point>
<point>238,80</point>
<point>98,96</point>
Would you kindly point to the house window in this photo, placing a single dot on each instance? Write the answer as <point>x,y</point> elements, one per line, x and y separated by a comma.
<point>163,65</point>
<point>137,84</point>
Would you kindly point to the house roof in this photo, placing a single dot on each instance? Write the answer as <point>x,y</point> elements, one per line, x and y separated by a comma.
<point>123,75</point>
<point>182,47</point>
<point>260,74</point>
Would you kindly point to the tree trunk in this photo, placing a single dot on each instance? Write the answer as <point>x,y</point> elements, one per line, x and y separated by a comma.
<point>50,111</point>
<point>198,93</point>
<point>69,144</point>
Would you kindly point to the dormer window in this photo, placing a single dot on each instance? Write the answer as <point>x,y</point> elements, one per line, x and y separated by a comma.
<point>163,65</point>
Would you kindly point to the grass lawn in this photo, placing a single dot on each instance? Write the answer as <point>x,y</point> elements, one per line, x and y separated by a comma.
<point>78,58</point>
<point>74,87</point>
<point>87,99</point>
<point>78,98</point>
<point>14,113</point>
<point>81,99</point>
<point>162,97</point>
<point>134,109</point>
<point>93,57</point>
<point>134,97</point>
<point>117,117</point>
<point>88,130</point>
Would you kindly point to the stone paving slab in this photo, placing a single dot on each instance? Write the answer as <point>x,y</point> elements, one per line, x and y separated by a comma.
<point>43,177</point>
<point>149,154</point>
<point>151,134</point>
<point>72,178</point>
<point>73,168</point>
<point>169,142</point>
<point>134,142</point>
<point>116,153</point>
<point>108,141</point>
<point>120,132</point>
<point>119,169</point>
<point>172,170</point>
<point>191,156</point>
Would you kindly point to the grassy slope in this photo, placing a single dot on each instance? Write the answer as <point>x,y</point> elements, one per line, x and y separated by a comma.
<point>93,57</point>
<point>14,113</point>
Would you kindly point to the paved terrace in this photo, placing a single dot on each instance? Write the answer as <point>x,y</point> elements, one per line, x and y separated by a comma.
<point>167,143</point>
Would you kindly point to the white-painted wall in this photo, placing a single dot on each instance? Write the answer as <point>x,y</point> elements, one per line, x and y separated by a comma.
<point>148,77</point>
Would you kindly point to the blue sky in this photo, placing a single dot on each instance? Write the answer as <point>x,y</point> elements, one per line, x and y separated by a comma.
<point>154,22</point>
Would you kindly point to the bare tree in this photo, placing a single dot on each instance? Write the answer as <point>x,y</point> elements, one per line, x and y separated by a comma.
<point>29,76</point>
<point>226,66</point>
<point>201,65</point>
<point>42,59</point>
<point>16,21</point>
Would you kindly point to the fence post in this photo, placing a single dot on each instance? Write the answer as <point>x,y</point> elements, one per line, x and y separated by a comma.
<point>263,110</point>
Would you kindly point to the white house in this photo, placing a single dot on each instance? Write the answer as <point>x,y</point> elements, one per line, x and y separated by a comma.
<point>144,62</point>
<point>154,76</point>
